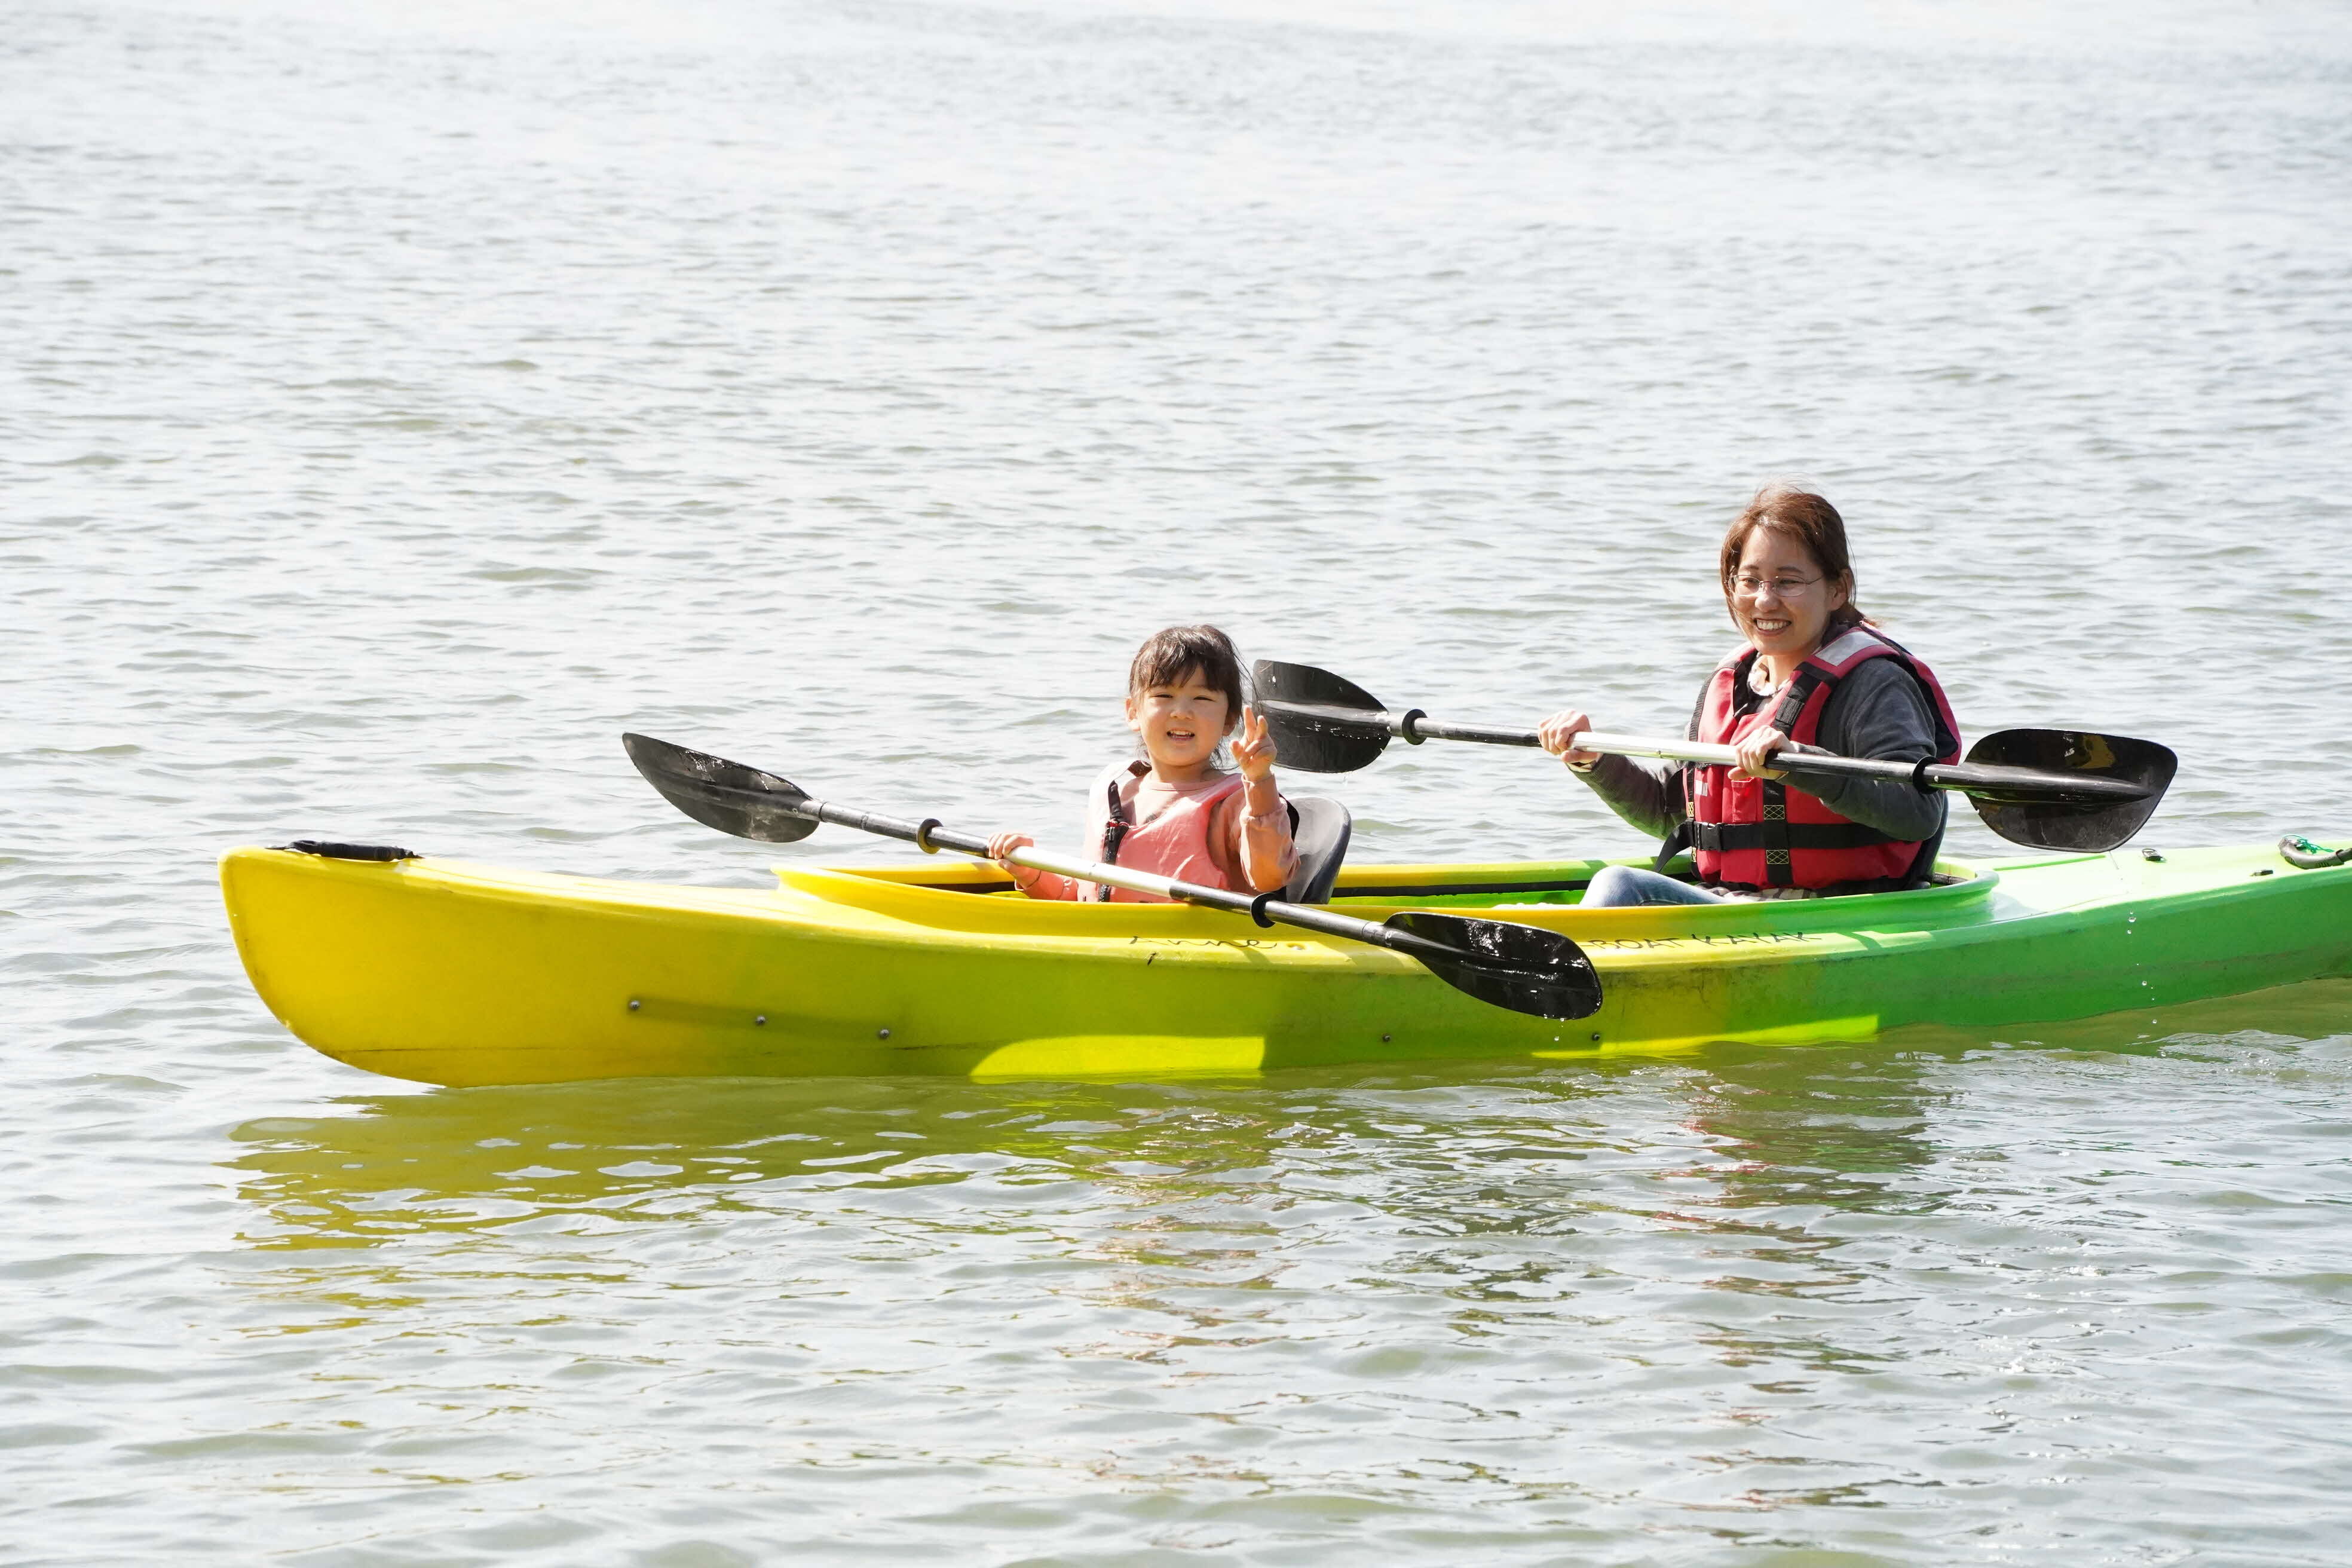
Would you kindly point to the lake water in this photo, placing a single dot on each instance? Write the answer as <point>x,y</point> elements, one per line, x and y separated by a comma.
<point>401,404</point>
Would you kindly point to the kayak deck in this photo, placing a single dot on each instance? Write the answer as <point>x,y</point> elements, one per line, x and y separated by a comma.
<point>448,973</point>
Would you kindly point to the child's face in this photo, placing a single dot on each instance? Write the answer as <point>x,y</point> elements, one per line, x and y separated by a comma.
<point>1180,721</point>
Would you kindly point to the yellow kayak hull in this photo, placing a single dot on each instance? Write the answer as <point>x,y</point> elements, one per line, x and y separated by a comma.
<point>448,973</point>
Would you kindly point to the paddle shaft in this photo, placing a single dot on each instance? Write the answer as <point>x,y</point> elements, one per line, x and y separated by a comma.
<point>1525,969</point>
<point>1968,777</point>
<point>929,836</point>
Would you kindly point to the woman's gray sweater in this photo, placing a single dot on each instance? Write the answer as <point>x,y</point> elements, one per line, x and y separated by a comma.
<point>1878,711</point>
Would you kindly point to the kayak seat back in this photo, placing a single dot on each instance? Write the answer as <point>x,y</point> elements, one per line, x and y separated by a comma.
<point>1321,828</point>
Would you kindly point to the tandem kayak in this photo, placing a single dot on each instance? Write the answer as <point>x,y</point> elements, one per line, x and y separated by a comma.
<point>448,973</point>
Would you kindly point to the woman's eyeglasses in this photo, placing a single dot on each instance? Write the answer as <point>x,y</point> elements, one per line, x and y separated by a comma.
<point>1748,585</point>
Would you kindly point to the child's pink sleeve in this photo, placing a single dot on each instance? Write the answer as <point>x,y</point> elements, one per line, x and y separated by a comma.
<point>1267,857</point>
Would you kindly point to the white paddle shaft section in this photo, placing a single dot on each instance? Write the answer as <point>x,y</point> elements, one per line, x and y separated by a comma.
<point>1271,909</point>
<point>1723,756</point>
<point>1126,877</point>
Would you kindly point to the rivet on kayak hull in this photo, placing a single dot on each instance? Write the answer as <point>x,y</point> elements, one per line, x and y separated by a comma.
<point>881,1034</point>
<point>760,1019</point>
<point>1384,1040</point>
<point>635,1003</point>
<point>1596,1036</point>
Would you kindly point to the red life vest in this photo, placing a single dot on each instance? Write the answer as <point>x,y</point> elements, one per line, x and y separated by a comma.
<point>1761,833</point>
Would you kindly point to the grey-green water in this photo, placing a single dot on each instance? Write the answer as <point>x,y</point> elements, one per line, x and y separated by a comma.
<point>401,404</point>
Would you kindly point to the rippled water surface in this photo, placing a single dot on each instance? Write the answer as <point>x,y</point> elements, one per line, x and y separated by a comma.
<point>401,404</point>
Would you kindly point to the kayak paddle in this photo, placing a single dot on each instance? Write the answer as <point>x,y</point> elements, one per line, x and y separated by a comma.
<point>1519,967</point>
<point>2048,789</point>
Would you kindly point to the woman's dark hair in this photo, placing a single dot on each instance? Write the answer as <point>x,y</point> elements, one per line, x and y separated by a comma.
<point>1167,657</point>
<point>1812,522</point>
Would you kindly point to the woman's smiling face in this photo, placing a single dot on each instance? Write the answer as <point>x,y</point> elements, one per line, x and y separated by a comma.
<point>1778,596</point>
<point>1180,721</point>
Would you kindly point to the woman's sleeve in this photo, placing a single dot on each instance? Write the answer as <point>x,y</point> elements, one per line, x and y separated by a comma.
<point>1052,885</point>
<point>1647,795</point>
<point>1880,711</point>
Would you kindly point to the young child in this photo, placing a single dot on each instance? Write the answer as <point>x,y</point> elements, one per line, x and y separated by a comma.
<point>1176,816</point>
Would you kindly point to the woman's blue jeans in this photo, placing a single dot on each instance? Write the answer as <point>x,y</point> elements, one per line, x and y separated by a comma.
<point>1614,887</point>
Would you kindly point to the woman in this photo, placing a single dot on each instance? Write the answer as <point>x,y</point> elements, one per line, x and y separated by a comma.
<point>1814,675</point>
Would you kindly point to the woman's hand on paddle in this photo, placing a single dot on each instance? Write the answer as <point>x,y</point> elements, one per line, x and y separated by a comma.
<point>1756,750</point>
<point>1004,844</point>
<point>1253,747</point>
<point>1559,735</point>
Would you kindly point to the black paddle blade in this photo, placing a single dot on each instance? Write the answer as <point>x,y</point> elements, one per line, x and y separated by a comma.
<point>1319,742</point>
<point>2091,826</point>
<point>719,794</point>
<point>1514,966</point>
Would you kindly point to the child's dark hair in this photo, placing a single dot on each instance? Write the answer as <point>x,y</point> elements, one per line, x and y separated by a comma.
<point>1167,657</point>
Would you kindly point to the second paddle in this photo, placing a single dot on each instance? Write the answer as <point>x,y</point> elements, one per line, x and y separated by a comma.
<point>2048,789</point>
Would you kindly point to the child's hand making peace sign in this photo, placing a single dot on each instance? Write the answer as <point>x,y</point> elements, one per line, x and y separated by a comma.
<point>1254,746</point>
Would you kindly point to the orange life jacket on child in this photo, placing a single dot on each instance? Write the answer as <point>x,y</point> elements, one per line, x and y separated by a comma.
<point>1174,841</point>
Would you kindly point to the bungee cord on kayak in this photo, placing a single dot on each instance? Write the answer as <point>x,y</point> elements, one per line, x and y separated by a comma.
<point>2305,856</point>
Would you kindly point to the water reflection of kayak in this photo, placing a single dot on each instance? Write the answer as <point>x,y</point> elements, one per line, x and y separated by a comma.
<point>458,974</point>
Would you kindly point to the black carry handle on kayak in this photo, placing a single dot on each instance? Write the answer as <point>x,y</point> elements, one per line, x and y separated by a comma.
<point>2047,789</point>
<point>1523,968</point>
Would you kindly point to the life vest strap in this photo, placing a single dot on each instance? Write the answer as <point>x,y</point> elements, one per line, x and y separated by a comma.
<point>1116,825</point>
<point>1774,811</point>
<point>1724,838</point>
